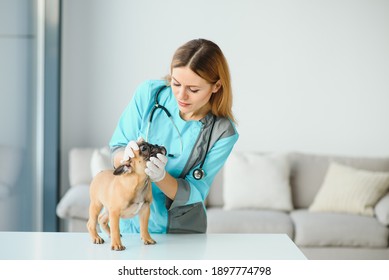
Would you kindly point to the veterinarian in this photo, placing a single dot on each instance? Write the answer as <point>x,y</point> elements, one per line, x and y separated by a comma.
<point>190,113</point>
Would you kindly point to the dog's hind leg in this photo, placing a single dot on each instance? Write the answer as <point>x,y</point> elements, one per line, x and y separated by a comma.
<point>94,210</point>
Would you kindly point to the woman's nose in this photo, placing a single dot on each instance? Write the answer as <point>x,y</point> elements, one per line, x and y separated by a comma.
<point>182,94</point>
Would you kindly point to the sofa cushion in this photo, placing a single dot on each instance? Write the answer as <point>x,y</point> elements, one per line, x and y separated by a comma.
<point>350,190</point>
<point>381,210</point>
<point>257,181</point>
<point>335,229</point>
<point>308,172</point>
<point>248,221</point>
<point>75,203</point>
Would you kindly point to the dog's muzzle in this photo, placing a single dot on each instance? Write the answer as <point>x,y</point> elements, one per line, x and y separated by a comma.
<point>148,150</point>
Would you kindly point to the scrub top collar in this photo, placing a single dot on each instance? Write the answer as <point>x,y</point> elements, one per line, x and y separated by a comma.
<point>207,119</point>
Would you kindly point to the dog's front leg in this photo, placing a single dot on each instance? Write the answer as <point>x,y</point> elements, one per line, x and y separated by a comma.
<point>94,209</point>
<point>144,215</point>
<point>116,243</point>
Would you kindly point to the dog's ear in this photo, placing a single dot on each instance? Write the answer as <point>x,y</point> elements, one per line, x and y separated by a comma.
<point>122,169</point>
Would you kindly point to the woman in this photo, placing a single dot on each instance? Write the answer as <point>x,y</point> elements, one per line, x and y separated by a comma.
<point>196,129</point>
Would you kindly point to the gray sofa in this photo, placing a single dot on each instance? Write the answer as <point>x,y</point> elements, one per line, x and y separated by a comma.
<point>320,235</point>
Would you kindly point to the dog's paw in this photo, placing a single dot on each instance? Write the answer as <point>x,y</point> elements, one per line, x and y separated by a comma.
<point>117,247</point>
<point>148,241</point>
<point>98,240</point>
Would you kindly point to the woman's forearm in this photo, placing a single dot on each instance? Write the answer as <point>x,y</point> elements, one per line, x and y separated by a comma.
<point>168,186</point>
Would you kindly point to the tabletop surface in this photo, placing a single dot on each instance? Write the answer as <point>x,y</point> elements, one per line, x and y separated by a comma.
<point>78,246</point>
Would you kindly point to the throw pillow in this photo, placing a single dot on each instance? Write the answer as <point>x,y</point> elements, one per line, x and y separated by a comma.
<point>381,210</point>
<point>101,160</point>
<point>257,181</point>
<point>349,190</point>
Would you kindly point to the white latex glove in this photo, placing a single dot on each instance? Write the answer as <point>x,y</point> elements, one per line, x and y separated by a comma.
<point>129,151</point>
<point>156,168</point>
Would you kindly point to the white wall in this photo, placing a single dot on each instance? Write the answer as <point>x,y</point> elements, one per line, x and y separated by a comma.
<point>310,76</point>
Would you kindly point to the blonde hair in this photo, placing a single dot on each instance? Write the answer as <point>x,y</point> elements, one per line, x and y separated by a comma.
<point>206,59</point>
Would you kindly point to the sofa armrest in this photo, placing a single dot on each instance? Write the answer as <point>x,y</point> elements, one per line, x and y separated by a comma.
<point>75,203</point>
<point>382,210</point>
<point>80,166</point>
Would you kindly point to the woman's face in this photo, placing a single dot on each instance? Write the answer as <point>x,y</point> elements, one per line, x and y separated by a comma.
<point>192,93</point>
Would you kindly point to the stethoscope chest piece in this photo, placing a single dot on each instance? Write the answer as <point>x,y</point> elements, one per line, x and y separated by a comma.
<point>198,173</point>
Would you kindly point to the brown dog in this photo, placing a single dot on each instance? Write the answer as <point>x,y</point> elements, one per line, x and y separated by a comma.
<point>123,193</point>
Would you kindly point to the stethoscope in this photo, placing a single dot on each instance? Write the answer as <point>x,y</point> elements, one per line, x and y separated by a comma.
<point>198,173</point>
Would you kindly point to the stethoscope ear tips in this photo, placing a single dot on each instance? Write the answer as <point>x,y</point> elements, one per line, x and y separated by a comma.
<point>198,173</point>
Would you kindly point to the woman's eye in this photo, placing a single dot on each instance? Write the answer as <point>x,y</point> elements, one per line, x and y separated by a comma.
<point>193,90</point>
<point>176,85</point>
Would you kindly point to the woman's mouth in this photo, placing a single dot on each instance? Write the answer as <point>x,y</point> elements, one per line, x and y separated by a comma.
<point>183,104</point>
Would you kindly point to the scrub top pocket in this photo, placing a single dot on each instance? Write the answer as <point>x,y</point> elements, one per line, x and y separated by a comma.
<point>188,219</point>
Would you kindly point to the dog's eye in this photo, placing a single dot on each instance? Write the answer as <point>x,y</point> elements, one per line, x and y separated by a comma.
<point>143,149</point>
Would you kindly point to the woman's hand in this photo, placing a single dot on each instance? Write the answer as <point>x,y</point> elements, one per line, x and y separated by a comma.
<point>156,168</point>
<point>129,151</point>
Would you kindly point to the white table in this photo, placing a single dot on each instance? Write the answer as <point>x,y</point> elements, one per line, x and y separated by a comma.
<point>78,246</point>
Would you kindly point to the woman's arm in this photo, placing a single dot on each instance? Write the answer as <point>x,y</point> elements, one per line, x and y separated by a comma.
<point>168,186</point>
<point>130,123</point>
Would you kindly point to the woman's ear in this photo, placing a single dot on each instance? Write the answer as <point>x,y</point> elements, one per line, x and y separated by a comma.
<point>216,86</point>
